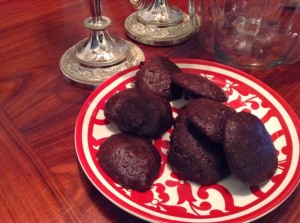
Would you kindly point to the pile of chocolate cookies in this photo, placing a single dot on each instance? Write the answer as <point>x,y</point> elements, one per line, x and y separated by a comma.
<point>209,140</point>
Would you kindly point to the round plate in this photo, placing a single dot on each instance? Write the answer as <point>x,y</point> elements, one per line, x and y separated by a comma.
<point>173,200</point>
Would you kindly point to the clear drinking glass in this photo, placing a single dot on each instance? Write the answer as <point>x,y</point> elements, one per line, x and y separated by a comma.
<point>255,34</point>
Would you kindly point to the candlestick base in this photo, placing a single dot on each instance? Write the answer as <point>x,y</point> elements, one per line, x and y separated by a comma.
<point>150,34</point>
<point>90,77</point>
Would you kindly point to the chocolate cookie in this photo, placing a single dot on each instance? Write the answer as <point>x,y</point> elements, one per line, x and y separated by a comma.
<point>139,113</point>
<point>131,161</point>
<point>155,77</point>
<point>199,86</point>
<point>193,156</point>
<point>209,117</point>
<point>249,149</point>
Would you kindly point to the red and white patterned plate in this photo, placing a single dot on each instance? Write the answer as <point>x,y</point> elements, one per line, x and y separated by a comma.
<point>174,200</point>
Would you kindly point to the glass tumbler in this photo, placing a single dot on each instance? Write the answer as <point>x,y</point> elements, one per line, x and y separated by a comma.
<point>253,34</point>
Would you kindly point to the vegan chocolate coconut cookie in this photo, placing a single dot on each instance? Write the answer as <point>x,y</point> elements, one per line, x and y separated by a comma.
<point>249,149</point>
<point>199,86</point>
<point>209,117</point>
<point>193,156</point>
<point>139,113</point>
<point>155,77</point>
<point>131,161</point>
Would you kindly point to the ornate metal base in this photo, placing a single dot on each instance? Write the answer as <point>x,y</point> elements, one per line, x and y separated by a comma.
<point>158,35</point>
<point>91,77</point>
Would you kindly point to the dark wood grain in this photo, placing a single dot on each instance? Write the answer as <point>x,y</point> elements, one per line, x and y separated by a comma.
<point>41,179</point>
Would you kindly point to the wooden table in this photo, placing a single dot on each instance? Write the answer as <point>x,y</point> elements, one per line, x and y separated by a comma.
<point>40,177</point>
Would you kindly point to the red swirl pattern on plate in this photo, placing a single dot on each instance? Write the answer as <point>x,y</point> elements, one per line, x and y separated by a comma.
<point>174,200</point>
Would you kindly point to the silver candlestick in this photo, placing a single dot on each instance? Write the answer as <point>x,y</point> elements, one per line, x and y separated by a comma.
<point>94,59</point>
<point>158,23</point>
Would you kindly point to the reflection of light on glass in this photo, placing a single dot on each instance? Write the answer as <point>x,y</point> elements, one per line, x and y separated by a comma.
<point>295,54</point>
